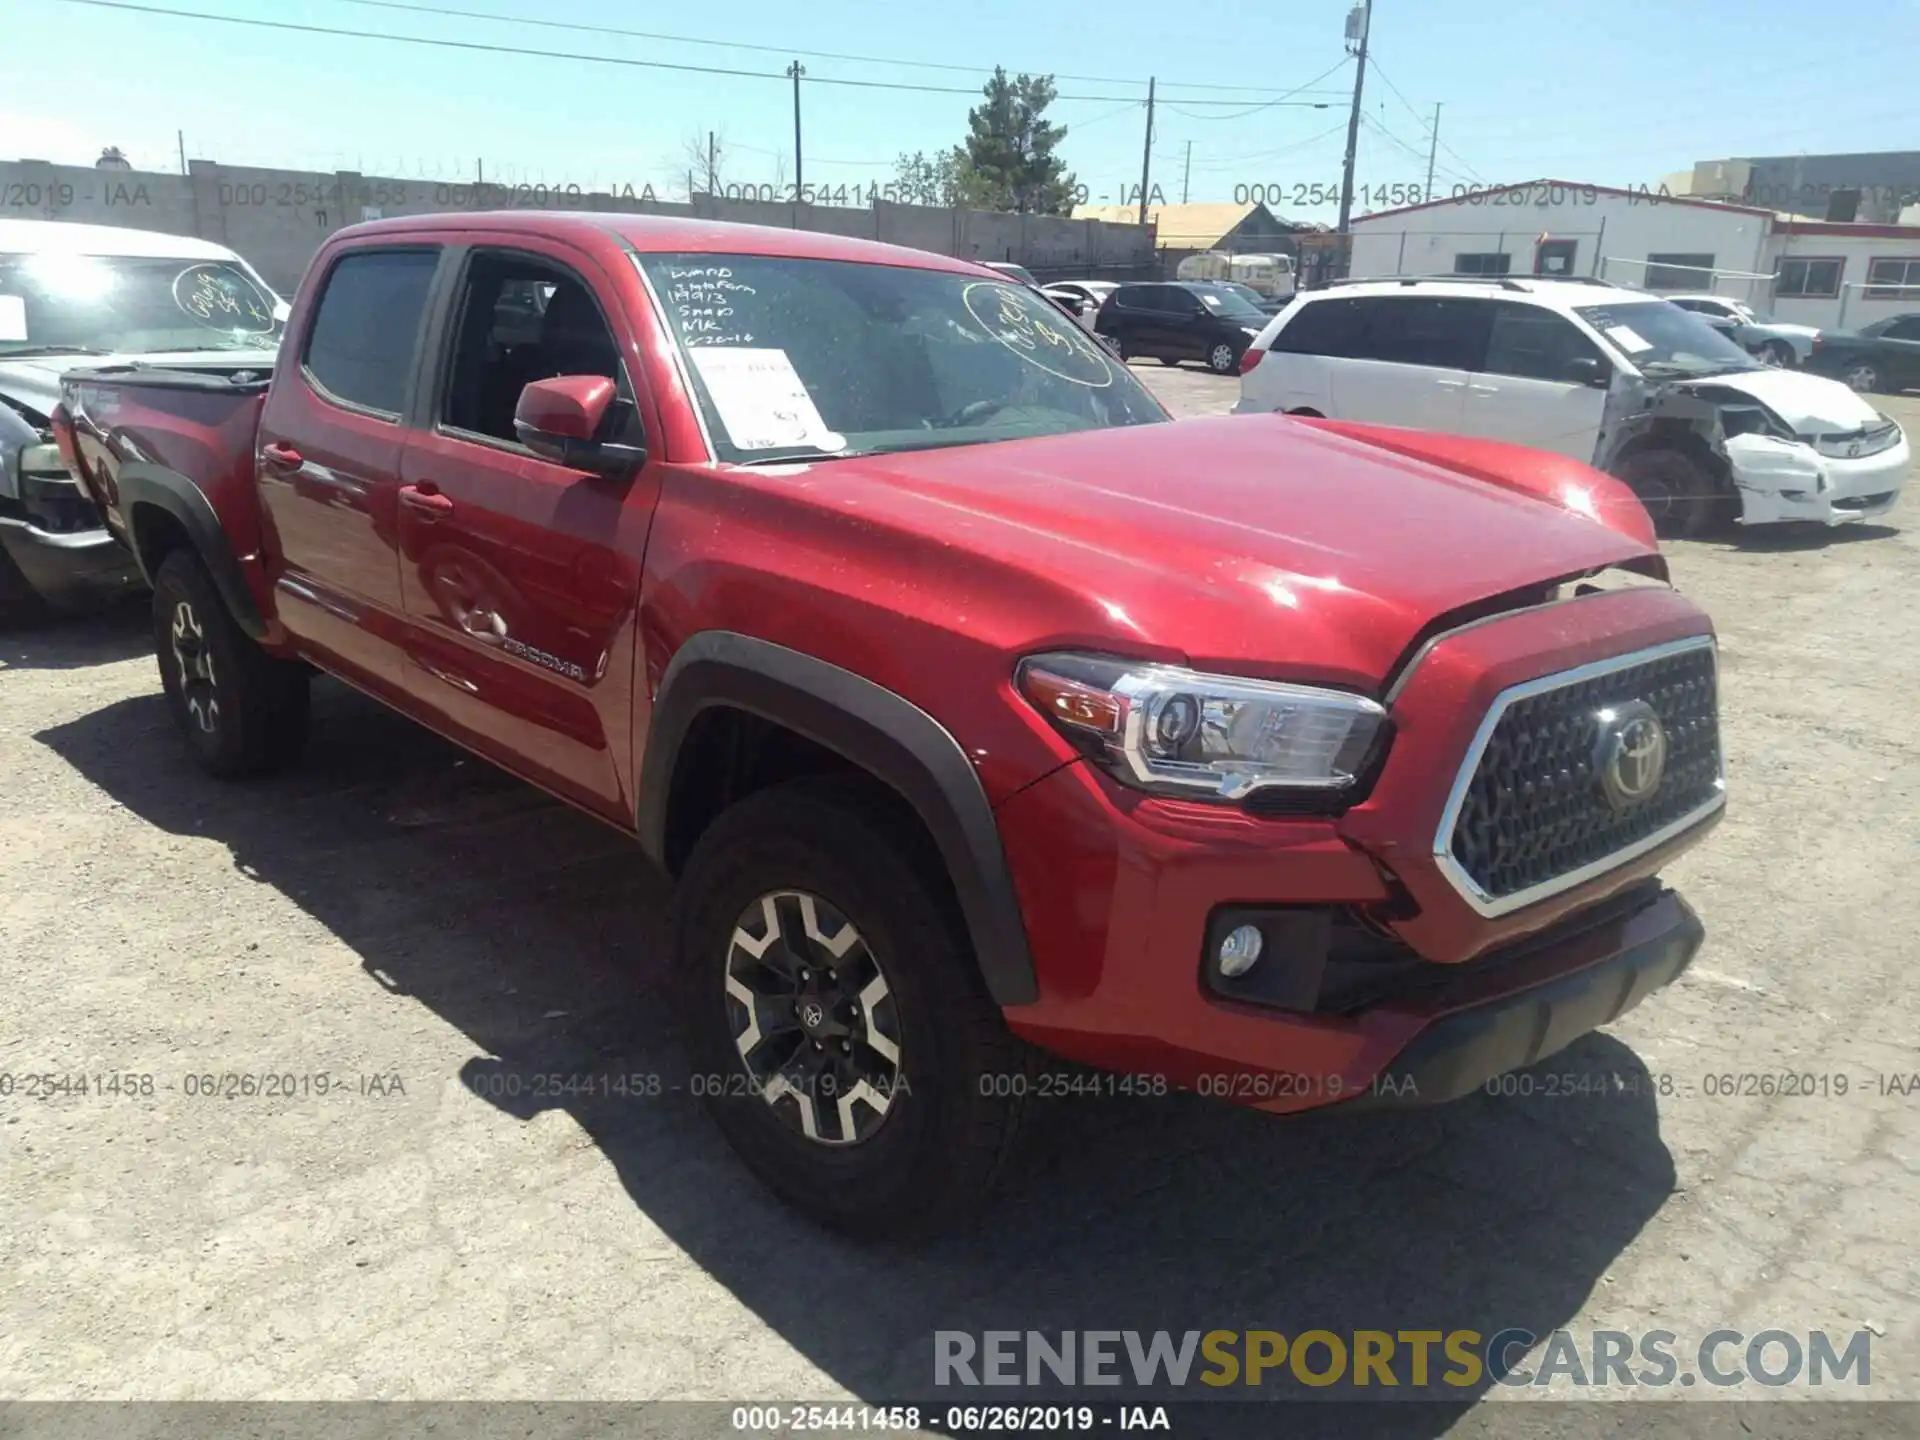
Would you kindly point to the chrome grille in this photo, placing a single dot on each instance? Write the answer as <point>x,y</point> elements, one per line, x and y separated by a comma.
<point>1528,816</point>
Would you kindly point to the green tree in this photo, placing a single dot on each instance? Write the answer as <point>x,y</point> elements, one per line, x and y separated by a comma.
<point>918,180</point>
<point>1008,162</point>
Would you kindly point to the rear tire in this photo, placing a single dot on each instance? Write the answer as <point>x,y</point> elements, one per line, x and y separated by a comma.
<point>1779,354</point>
<point>1223,360</point>
<point>1679,494</point>
<point>756,997</point>
<point>241,711</point>
<point>1863,377</point>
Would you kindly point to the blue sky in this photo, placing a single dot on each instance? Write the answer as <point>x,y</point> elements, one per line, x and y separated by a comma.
<point>1610,91</point>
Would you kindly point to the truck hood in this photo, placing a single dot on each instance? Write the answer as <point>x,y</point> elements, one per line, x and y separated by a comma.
<point>1259,542</point>
<point>1808,403</point>
<point>32,383</point>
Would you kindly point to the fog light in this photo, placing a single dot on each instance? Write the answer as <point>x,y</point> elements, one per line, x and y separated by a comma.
<point>1239,951</point>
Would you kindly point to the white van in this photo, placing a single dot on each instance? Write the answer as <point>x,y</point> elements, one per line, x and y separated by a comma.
<point>1620,379</point>
<point>1271,275</point>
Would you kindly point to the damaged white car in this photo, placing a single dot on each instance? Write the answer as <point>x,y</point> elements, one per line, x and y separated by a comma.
<point>1618,378</point>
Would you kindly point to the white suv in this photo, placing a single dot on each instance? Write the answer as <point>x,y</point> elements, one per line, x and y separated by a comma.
<point>1617,378</point>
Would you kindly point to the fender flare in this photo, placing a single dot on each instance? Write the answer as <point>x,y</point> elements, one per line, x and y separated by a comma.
<point>141,486</point>
<point>874,729</point>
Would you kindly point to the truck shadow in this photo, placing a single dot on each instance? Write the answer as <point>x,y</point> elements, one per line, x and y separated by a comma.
<point>541,938</point>
<point>1762,539</point>
<point>119,631</point>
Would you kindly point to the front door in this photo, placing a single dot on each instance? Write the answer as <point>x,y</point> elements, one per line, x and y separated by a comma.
<point>520,575</point>
<point>328,461</point>
<point>1541,383</point>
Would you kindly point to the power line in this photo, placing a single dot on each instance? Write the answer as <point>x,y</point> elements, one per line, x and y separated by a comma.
<point>1374,60</point>
<point>1232,160</point>
<point>451,12</point>
<point>521,52</point>
<point>1283,99</point>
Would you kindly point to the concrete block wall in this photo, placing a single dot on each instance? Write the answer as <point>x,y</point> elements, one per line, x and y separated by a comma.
<point>278,218</point>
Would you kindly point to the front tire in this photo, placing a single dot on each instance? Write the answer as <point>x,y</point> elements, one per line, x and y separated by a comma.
<point>241,711</point>
<point>1679,495</point>
<point>839,1031</point>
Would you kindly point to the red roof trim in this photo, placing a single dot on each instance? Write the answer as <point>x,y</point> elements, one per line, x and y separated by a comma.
<point>1839,229</point>
<point>1653,197</point>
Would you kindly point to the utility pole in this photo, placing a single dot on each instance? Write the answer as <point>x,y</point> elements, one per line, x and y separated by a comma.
<point>1187,173</point>
<point>181,136</point>
<point>1432,150</point>
<point>712,161</point>
<point>796,70</point>
<point>1364,11</point>
<point>1146,153</point>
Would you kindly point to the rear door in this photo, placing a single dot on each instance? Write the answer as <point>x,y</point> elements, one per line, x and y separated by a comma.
<point>1526,389</point>
<point>328,459</point>
<point>520,575</point>
<point>1411,361</point>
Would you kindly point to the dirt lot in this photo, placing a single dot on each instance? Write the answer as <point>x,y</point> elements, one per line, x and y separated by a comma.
<point>429,935</point>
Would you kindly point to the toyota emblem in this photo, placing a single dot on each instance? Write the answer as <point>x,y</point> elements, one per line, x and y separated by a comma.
<point>1631,753</point>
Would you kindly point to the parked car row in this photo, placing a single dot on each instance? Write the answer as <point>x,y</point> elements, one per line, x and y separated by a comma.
<point>1879,358</point>
<point>968,699</point>
<point>1620,379</point>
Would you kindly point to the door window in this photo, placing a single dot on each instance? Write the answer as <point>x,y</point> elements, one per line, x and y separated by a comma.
<point>1410,330</point>
<point>522,319</point>
<point>360,347</point>
<point>1535,344</point>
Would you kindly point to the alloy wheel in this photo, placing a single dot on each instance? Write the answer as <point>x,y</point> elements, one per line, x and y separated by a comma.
<point>1862,377</point>
<point>1221,359</point>
<point>813,1017</point>
<point>193,660</point>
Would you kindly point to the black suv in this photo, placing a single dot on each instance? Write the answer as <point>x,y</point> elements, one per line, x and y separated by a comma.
<point>1182,320</point>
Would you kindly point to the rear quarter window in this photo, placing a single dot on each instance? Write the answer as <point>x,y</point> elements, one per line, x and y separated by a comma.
<point>1319,327</point>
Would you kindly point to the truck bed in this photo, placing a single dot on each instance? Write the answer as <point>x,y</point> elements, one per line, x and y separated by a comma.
<point>197,422</point>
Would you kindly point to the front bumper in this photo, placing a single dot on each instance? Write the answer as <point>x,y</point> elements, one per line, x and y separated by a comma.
<point>1779,481</point>
<point>1121,893</point>
<point>72,568</point>
<point>1643,951</point>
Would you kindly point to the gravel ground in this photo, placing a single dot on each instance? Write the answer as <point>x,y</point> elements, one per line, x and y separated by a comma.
<point>427,936</point>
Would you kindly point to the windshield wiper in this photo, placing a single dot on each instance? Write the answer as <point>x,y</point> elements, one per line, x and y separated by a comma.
<point>801,457</point>
<point>33,350</point>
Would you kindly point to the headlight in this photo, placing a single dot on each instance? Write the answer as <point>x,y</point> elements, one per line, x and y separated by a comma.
<point>1220,737</point>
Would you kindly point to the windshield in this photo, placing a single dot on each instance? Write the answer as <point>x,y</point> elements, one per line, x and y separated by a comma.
<point>1655,336</point>
<point>1246,292</point>
<point>123,304</point>
<point>795,358</point>
<point>1229,306</point>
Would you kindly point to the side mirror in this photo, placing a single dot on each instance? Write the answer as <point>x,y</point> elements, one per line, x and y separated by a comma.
<point>558,420</point>
<point>1588,371</point>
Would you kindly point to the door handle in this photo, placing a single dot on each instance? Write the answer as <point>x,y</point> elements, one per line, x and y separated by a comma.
<point>281,456</point>
<point>425,496</point>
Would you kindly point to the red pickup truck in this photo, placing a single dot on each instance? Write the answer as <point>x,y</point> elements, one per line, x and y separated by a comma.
<point>971,700</point>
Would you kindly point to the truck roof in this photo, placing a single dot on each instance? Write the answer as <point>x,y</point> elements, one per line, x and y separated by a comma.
<point>668,233</point>
<point>67,237</point>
